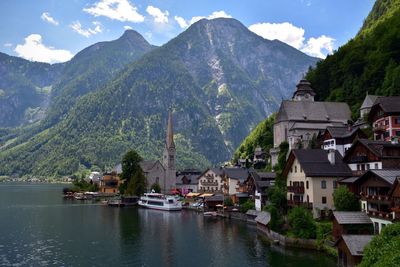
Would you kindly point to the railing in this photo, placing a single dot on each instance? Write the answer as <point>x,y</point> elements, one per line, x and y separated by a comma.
<point>379,128</point>
<point>381,214</point>
<point>209,183</point>
<point>296,189</point>
<point>292,203</point>
<point>382,198</point>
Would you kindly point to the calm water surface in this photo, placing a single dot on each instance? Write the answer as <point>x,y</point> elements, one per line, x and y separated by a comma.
<point>39,228</point>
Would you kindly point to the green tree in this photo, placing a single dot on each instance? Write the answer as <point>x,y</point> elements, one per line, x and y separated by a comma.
<point>301,223</point>
<point>132,173</point>
<point>248,205</point>
<point>228,201</point>
<point>344,200</point>
<point>383,249</point>
<point>156,187</point>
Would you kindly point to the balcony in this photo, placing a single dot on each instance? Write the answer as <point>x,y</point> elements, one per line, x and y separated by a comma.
<point>379,128</point>
<point>296,189</point>
<point>209,183</point>
<point>293,203</point>
<point>381,214</point>
<point>377,198</point>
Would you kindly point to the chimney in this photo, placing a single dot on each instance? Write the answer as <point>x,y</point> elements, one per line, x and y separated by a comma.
<point>331,156</point>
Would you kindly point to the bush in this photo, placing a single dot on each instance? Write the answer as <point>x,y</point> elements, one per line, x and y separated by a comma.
<point>248,205</point>
<point>301,223</point>
<point>228,202</point>
<point>344,200</point>
<point>156,187</point>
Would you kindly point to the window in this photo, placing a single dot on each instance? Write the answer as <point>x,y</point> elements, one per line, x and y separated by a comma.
<point>323,184</point>
<point>334,184</point>
<point>376,165</point>
<point>367,166</point>
<point>398,133</point>
<point>358,167</point>
<point>307,184</point>
<point>386,122</point>
<point>397,120</point>
<point>295,168</point>
<point>323,200</point>
<point>301,169</point>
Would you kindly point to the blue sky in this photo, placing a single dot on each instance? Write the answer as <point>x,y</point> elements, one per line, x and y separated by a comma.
<point>55,30</point>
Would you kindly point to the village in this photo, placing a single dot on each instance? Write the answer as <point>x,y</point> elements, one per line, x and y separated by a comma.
<point>324,151</point>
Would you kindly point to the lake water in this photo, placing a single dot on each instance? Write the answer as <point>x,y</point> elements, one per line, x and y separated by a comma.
<point>39,228</point>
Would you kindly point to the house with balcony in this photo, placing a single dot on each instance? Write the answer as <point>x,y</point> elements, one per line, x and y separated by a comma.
<point>385,118</point>
<point>234,185</point>
<point>380,194</point>
<point>340,138</point>
<point>312,176</point>
<point>366,155</point>
<point>110,183</point>
<point>211,181</point>
<point>257,185</point>
<point>186,181</point>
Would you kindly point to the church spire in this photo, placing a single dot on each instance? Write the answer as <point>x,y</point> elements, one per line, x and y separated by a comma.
<point>170,134</point>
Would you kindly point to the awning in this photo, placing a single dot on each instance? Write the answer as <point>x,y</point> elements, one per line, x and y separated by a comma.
<point>191,194</point>
<point>206,195</point>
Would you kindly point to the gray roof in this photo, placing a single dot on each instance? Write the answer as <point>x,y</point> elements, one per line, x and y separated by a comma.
<point>262,180</point>
<point>389,104</point>
<point>236,173</point>
<point>191,177</point>
<point>215,198</point>
<point>351,217</point>
<point>357,243</point>
<point>378,146</point>
<point>218,171</point>
<point>341,131</point>
<point>252,212</point>
<point>369,101</point>
<point>389,175</point>
<point>267,175</point>
<point>263,217</point>
<point>315,163</point>
<point>313,111</point>
<point>147,165</point>
<point>349,180</point>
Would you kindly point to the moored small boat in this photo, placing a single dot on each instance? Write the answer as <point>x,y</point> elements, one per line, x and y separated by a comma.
<point>80,196</point>
<point>115,203</point>
<point>160,202</point>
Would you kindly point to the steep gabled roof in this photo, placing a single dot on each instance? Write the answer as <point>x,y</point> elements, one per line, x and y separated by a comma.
<point>236,173</point>
<point>389,104</point>
<point>313,111</point>
<point>342,131</point>
<point>218,171</point>
<point>375,146</point>
<point>351,217</point>
<point>369,101</point>
<point>315,163</point>
<point>388,175</point>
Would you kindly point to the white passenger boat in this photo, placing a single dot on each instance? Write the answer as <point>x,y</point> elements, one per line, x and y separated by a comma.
<point>160,202</point>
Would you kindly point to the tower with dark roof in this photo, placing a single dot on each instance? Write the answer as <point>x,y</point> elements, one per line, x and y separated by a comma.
<point>169,157</point>
<point>304,92</point>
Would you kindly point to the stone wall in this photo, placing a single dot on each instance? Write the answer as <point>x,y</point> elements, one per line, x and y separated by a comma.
<point>288,241</point>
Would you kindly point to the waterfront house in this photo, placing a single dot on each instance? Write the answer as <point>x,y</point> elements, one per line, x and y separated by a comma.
<point>366,154</point>
<point>385,118</point>
<point>312,176</point>
<point>214,202</point>
<point>380,196</point>
<point>340,138</point>
<point>350,249</point>
<point>351,223</point>
<point>186,181</point>
<point>110,183</point>
<point>234,185</point>
<point>257,184</point>
<point>259,159</point>
<point>301,118</point>
<point>211,181</point>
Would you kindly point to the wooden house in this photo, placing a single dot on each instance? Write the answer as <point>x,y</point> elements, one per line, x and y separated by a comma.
<point>350,249</point>
<point>351,223</point>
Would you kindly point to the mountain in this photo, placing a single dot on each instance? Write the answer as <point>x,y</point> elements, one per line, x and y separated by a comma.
<point>369,63</point>
<point>218,78</point>
<point>24,89</point>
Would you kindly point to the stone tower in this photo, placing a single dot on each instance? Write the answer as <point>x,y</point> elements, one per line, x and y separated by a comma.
<point>304,92</point>
<point>169,157</point>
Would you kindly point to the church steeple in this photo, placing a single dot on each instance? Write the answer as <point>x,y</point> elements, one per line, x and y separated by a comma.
<point>304,92</point>
<point>170,134</point>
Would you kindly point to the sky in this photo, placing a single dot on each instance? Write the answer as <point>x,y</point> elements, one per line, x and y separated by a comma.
<point>55,30</point>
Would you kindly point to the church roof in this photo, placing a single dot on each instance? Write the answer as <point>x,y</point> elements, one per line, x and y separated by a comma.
<point>148,165</point>
<point>170,134</point>
<point>369,101</point>
<point>313,111</point>
<point>303,87</point>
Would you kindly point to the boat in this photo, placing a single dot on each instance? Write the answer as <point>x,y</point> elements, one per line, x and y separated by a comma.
<point>115,203</point>
<point>80,196</point>
<point>160,202</point>
<point>210,213</point>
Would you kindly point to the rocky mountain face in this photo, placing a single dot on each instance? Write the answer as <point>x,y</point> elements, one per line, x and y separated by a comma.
<point>218,78</point>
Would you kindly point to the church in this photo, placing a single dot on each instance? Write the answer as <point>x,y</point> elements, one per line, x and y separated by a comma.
<point>163,174</point>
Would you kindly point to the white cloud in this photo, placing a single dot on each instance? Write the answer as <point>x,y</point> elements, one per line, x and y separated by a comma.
<point>120,10</point>
<point>46,17</point>
<point>157,14</point>
<point>33,49</point>
<point>7,44</point>
<point>181,21</point>
<point>77,27</point>
<point>319,47</point>
<point>285,32</point>
<point>294,36</point>
<point>216,14</point>
<point>126,27</point>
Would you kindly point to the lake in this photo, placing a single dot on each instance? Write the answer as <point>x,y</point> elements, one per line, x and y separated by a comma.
<point>40,228</point>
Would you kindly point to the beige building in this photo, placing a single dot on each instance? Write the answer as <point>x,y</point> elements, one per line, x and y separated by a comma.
<point>211,181</point>
<point>312,176</point>
<point>301,118</point>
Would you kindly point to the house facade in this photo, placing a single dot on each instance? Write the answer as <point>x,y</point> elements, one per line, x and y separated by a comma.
<point>257,185</point>
<point>211,181</point>
<point>312,176</point>
<point>350,249</point>
<point>340,138</point>
<point>186,181</point>
<point>110,183</point>
<point>385,118</point>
